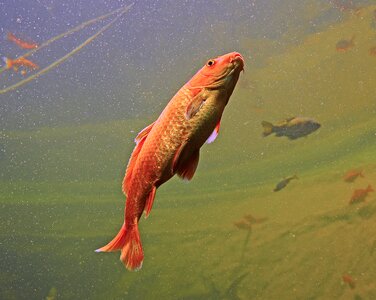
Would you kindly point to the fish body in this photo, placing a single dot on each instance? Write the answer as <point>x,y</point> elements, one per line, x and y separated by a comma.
<point>21,43</point>
<point>348,279</point>
<point>171,145</point>
<point>360,195</point>
<point>15,64</point>
<point>351,175</point>
<point>282,184</point>
<point>345,45</point>
<point>293,128</point>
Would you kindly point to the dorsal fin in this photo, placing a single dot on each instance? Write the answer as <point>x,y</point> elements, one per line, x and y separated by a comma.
<point>131,164</point>
<point>143,132</point>
<point>139,140</point>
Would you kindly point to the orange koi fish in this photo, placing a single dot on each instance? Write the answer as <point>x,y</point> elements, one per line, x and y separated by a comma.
<point>171,145</point>
<point>351,175</point>
<point>360,195</point>
<point>20,62</point>
<point>21,43</point>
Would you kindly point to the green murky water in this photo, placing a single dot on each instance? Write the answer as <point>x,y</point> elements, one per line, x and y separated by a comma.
<point>61,189</point>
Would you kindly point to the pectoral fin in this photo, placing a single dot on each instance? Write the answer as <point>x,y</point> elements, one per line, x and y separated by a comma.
<point>194,105</point>
<point>214,134</point>
<point>187,169</point>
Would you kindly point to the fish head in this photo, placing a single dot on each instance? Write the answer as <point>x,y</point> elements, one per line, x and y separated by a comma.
<point>313,125</point>
<point>221,72</point>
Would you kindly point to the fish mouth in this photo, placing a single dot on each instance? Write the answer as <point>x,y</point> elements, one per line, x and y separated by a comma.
<point>238,59</point>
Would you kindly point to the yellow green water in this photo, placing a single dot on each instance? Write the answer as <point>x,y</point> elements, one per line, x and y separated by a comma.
<point>50,227</point>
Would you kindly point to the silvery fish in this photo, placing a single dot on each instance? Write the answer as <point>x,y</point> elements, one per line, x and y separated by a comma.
<point>293,128</point>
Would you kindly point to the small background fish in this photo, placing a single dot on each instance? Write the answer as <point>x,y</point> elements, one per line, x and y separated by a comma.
<point>283,183</point>
<point>293,128</point>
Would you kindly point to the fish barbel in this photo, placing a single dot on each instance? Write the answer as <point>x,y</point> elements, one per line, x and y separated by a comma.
<point>171,145</point>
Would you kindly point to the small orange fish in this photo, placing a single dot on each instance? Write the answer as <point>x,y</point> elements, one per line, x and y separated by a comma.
<point>360,195</point>
<point>171,145</point>
<point>345,45</point>
<point>20,62</point>
<point>21,43</point>
<point>253,220</point>
<point>347,278</point>
<point>351,175</point>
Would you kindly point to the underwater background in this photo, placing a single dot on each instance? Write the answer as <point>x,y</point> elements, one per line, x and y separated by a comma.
<point>66,137</point>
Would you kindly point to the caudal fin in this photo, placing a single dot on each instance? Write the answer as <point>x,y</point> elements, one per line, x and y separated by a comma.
<point>128,241</point>
<point>8,62</point>
<point>268,128</point>
<point>370,189</point>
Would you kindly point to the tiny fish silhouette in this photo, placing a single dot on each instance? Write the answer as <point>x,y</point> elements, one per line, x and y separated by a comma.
<point>345,45</point>
<point>253,220</point>
<point>171,145</point>
<point>351,175</point>
<point>360,195</point>
<point>282,184</point>
<point>293,128</point>
<point>243,224</point>
<point>347,278</point>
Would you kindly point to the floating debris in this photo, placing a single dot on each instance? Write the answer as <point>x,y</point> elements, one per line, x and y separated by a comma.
<point>120,12</point>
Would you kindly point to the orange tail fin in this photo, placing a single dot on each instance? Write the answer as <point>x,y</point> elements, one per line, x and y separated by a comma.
<point>129,242</point>
<point>369,188</point>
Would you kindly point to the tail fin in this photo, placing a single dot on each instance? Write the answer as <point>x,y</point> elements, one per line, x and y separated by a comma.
<point>268,128</point>
<point>295,177</point>
<point>8,62</point>
<point>370,189</point>
<point>128,241</point>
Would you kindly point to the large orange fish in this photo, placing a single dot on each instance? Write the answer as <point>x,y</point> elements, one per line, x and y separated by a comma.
<point>21,43</point>
<point>171,145</point>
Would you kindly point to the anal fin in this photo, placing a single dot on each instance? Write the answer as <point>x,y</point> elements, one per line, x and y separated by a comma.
<point>149,201</point>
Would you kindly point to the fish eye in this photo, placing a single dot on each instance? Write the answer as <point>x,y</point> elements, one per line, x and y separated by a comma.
<point>210,63</point>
